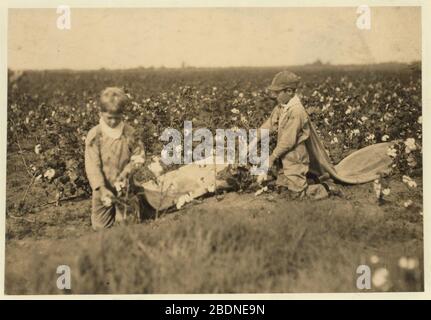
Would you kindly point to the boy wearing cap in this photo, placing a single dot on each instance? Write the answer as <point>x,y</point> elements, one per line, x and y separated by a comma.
<point>109,147</point>
<point>290,120</point>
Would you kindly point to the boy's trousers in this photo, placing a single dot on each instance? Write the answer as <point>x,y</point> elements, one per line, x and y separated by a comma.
<point>295,167</point>
<point>103,217</point>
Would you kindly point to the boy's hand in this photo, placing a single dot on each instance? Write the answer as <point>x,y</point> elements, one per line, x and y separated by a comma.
<point>261,178</point>
<point>106,196</point>
<point>120,185</point>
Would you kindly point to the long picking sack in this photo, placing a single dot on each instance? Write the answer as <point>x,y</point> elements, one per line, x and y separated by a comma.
<point>194,180</point>
<point>363,165</point>
<point>184,184</point>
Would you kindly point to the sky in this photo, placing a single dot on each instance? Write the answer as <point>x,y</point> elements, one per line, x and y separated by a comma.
<point>210,37</point>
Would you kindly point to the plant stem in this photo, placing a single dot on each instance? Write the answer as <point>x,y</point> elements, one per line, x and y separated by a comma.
<point>28,189</point>
<point>21,151</point>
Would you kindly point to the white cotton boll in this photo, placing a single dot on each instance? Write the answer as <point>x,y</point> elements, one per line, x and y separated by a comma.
<point>380,277</point>
<point>377,188</point>
<point>409,181</point>
<point>234,111</point>
<point>188,198</point>
<point>260,191</point>
<point>155,168</point>
<point>403,263</point>
<point>386,191</point>
<point>408,203</point>
<point>211,188</point>
<point>369,137</point>
<point>180,202</point>
<point>374,259</point>
<point>392,152</point>
<point>385,138</point>
<point>37,149</point>
<point>49,174</point>
<point>412,263</point>
<point>262,178</point>
<point>120,185</point>
<point>355,132</point>
<point>106,201</point>
<point>410,145</point>
<point>412,184</point>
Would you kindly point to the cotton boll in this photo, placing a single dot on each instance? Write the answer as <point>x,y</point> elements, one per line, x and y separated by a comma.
<point>380,277</point>
<point>409,181</point>
<point>262,178</point>
<point>180,202</point>
<point>386,191</point>
<point>155,168</point>
<point>412,263</point>
<point>260,191</point>
<point>49,174</point>
<point>392,152</point>
<point>106,201</point>
<point>374,259</point>
<point>403,262</point>
<point>408,203</point>
<point>37,149</point>
<point>120,185</point>
<point>410,144</point>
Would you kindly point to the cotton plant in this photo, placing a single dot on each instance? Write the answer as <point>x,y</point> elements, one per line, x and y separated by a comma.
<point>381,189</point>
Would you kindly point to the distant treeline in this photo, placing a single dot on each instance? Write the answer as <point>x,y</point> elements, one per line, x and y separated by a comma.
<point>314,67</point>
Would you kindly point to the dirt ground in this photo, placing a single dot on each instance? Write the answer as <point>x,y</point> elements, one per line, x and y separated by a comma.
<point>237,242</point>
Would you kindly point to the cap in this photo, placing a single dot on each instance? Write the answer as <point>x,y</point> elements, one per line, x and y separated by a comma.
<point>283,80</point>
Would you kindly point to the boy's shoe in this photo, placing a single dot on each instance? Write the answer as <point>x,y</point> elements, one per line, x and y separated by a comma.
<point>332,188</point>
<point>287,194</point>
<point>316,192</point>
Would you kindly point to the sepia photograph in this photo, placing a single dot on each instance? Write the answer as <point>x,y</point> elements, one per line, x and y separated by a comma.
<point>214,150</point>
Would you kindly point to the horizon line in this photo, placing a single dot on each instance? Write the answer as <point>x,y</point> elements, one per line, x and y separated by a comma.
<point>314,64</point>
